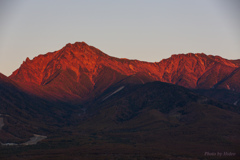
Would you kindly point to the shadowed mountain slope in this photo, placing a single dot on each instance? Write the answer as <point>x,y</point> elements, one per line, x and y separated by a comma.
<point>162,117</point>
<point>154,120</point>
<point>23,114</point>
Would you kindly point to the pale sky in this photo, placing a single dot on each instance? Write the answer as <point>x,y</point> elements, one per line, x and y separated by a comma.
<point>147,30</point>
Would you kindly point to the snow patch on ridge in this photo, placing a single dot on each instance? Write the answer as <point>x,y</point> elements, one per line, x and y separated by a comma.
<point>235,103</point>
<point>119,89</point>
<point>33,140</point>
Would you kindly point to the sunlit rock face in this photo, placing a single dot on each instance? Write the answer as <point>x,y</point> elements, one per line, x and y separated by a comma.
<point>79,72</point>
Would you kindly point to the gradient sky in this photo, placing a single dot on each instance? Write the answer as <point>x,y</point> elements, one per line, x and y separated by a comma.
<point>148,30</point>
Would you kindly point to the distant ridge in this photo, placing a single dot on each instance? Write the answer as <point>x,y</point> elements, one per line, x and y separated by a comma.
<point>80,72</point>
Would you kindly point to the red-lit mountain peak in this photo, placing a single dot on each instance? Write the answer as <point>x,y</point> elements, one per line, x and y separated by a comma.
<point>196,70</point>
<point>79,70</point>
<point>77,49</point>
<point>69,72</point>
<point>42,67</point>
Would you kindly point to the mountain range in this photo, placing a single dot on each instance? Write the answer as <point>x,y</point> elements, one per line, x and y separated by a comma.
<point>89,105</point>
<point>79,72</point>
